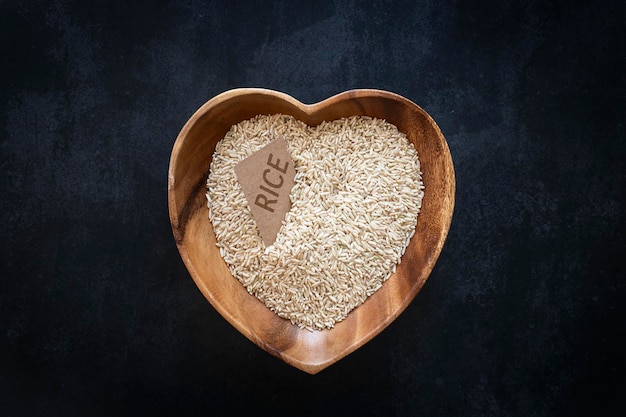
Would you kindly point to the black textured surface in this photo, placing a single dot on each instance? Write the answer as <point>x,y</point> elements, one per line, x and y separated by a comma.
<point>524,313</point>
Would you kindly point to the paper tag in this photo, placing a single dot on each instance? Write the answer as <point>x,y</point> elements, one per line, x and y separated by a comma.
<point>267,178</point>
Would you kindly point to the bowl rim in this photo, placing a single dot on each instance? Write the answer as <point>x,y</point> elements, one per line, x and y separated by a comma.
<point>175,216</point>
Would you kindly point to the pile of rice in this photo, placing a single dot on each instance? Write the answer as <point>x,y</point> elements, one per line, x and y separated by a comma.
<point>358,191</point>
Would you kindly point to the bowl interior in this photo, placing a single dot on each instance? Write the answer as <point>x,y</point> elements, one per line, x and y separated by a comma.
<point>189,167</point>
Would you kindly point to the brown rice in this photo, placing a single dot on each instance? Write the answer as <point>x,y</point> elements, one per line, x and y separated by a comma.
<point>354,207</point>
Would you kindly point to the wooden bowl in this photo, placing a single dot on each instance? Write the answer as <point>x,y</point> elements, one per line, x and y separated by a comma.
<point>188,171</point>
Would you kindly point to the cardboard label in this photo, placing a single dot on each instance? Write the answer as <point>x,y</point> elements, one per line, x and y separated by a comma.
<point>267,178</point>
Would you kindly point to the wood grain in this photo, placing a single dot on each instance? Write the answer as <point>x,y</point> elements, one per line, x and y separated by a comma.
<point>189,166</point>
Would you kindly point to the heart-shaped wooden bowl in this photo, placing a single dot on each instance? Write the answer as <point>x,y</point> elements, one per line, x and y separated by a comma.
<point>188,171</point>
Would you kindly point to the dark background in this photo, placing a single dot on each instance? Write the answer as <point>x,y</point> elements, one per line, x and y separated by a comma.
<point>524,314</point>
